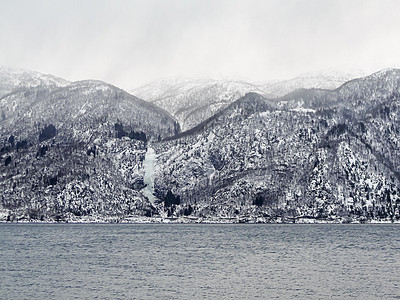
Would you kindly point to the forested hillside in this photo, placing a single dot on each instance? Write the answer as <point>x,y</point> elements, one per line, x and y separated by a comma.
<point>315,154</point>
<point>76,151</point>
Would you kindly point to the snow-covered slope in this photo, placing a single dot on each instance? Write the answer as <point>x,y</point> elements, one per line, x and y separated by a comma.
<point>83,149</point>
<point>356,96</point>
<point>315,154</point>
<point>191,101</point>
<point>83,100</point>
<point>12,78</point>
<point>76,150</point>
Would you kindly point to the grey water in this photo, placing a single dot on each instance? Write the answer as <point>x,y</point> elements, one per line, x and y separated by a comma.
<point>181,261</point>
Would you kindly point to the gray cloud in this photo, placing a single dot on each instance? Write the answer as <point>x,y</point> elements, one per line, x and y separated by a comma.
<point>129,43</point>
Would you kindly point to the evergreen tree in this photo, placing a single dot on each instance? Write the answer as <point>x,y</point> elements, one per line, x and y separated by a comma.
<point>170,199</point>
<point>47,133</point>
<point>259,201</point>
<point>11,140</point>
<point>8,161</point>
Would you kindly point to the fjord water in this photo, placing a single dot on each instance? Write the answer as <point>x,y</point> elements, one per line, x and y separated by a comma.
<point>178,261</point>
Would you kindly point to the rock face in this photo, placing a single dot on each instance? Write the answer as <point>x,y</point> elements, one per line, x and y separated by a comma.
<point>78,150</point>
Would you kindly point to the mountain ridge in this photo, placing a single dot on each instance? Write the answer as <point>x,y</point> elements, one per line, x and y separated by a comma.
<point>191,101</point>
<point>12,78</point>
<point>77,152</point>
<point>337,137</point>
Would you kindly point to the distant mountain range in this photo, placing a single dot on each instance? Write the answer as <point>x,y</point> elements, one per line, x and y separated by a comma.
<point>191,101</point>
<point>327,80</point>
<point>77,151</point>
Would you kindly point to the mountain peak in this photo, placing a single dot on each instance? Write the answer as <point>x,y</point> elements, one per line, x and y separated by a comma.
<point>14,78</point>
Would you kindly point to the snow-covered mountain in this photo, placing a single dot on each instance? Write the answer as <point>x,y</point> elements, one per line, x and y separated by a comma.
<point>76,150</point>
<point>82,150</point>
<point>314,154</point>
<point>191,101</point>
<point>356,96</point>
<point>12,78</point>
<point>83,100</point>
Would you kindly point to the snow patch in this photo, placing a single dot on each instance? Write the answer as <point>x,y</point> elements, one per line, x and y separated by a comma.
<point>301,109</point>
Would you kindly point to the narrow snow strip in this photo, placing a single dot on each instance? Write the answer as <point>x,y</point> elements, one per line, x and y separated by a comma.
<point>149,161</point>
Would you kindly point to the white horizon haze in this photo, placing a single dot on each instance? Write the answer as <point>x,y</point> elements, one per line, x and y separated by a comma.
<point>131,43</point>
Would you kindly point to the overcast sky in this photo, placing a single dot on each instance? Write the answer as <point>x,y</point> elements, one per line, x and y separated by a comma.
<point>129,43</point>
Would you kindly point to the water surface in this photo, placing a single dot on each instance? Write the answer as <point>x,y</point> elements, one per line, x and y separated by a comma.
<point>173,261</point>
